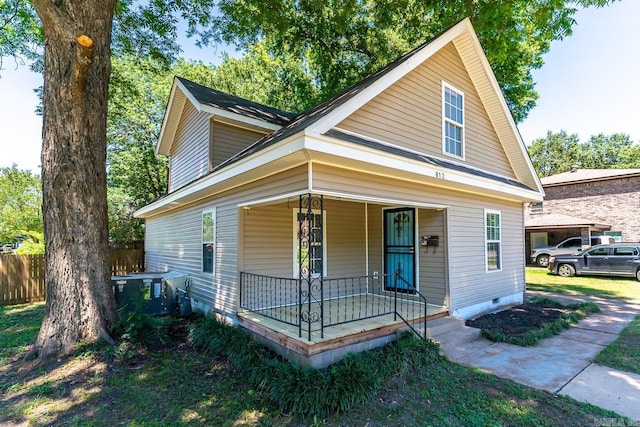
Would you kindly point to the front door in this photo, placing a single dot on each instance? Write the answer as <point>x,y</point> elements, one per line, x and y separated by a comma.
<point>399,249</point>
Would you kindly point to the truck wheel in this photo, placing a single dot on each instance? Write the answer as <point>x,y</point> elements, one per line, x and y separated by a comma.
<point>566,270</point>
<point>542,260</point>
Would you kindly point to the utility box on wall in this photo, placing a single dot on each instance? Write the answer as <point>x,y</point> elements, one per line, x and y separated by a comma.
<point>430,241</point>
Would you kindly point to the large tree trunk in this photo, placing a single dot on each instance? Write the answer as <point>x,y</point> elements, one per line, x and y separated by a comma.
<point>80,305</point>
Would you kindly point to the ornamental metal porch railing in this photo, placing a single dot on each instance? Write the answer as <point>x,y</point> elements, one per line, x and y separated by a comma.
<point>337,301</point>
<point>312,302</point>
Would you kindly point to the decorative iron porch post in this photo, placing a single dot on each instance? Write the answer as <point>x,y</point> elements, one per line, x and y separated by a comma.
<point>310,262</point>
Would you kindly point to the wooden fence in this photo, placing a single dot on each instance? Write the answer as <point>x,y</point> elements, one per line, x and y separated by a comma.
<point>22,276</point>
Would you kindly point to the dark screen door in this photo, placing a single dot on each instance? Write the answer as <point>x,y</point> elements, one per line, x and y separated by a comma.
<point>399,249</point>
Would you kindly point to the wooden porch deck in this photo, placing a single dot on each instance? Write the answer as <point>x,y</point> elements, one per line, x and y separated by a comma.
<point>341,314</point>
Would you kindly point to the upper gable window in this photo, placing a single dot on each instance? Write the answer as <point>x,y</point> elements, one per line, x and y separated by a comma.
<point>452,121</point>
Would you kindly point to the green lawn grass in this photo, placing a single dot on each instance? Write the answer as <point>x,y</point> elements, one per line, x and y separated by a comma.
<point>185,387</point>
<point>606,287</point>
<point>19,324</point>
<point>624,352</point>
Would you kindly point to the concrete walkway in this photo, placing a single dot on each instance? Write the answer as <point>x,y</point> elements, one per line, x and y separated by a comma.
<point>561,364</point>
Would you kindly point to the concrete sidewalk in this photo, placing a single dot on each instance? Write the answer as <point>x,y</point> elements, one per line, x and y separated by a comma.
<point>561,364</point>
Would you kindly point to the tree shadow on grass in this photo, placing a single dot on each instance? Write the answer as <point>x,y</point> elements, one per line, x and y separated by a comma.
<point>19,325</point>
<point>171,386</point>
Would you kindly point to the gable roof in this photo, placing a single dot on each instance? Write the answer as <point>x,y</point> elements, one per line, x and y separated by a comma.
<point>315,131</point>
<point>214,98</point>
<point>575,176</point>
<point>250,113</point>
<point>323,117</point>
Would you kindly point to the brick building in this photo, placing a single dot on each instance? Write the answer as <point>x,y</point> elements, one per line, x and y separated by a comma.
<point>585,202</point>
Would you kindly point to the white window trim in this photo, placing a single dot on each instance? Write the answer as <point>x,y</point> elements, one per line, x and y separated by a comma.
<point>445,120</point>
<point>212,211</point>
<point>487,241</point>
<point>295,242</point>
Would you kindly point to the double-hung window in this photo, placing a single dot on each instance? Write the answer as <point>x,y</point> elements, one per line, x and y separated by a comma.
<point>493,240</point>
<point>452,121</point>
<point>209,241</point>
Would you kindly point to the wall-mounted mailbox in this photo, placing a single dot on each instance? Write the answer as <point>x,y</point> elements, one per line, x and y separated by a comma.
<point>428,241</point>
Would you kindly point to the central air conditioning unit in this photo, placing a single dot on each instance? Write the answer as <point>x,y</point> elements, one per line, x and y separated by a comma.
<point>151,293</point>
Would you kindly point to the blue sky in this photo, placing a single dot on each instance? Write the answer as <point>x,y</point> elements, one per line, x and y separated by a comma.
<point>590,84</point>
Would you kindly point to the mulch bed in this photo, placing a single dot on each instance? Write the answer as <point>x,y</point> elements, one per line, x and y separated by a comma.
<point>518,320</point>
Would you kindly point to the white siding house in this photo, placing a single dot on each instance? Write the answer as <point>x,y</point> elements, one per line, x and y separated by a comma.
<point>399,200</point>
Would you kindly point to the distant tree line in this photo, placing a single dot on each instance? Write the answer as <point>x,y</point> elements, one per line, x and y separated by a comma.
<point>558,152</point>
<point>21,209</point>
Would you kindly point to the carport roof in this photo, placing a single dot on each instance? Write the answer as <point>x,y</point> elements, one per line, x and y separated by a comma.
<point>540,221</point>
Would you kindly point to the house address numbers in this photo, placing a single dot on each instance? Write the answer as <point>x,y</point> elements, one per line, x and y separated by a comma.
<point>440,175</point>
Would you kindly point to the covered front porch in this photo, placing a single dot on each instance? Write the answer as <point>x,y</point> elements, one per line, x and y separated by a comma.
<point>332,273</point>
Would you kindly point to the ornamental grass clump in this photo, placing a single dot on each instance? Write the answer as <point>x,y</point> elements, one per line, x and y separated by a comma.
<point>309,391</point>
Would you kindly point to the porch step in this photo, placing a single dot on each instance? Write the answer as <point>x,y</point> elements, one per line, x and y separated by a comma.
<point>443,325</point>
<point>458,342</point>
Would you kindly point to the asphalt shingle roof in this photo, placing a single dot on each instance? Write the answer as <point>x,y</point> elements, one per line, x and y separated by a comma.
<point>435,161</point>
<point>559,220</point>
<point>587,175</point>
<point>314,114</point>
<point>234,104</point>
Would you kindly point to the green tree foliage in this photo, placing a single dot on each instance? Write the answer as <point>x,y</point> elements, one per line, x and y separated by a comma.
<point>604,151</point>
<point>341,41</point>
<point>138,96</point>
<point>336,42</point>
<point>21,34</point>
<point>136,175</point>
<point>20,207</point>
<point>264,75</point>
<point>147,28</point>
<point>630,157</point>
<point>557,152</point>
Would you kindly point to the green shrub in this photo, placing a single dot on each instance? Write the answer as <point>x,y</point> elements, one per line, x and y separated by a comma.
<point>141,328</point>
<point>308,391</point>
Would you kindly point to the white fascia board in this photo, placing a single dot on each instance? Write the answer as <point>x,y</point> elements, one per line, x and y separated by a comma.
<point>187,93</point>
<point>381,200</point>
<point>169,110</point>
<point>490,76</point>
<point>283,148</point>
<point>268,200</point>
<point>437,175</point>
<point>342,196</point>
<point>361,98</point>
